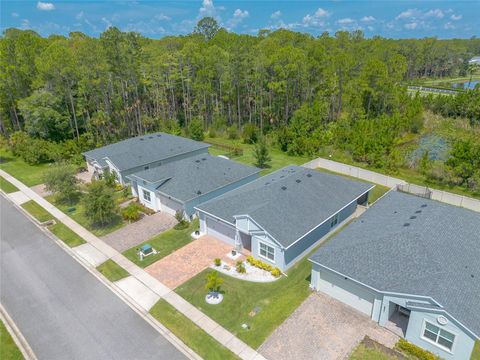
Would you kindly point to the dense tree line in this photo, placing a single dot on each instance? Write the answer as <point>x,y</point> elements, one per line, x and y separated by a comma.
<point>123,84</point>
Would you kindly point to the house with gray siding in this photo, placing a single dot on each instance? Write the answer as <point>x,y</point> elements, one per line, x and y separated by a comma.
<point>412,265</point>
<point>183,184</point>
<point>280,217</point>
<point>141,153</point>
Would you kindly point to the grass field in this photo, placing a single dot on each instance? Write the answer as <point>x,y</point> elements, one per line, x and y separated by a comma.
<point>66,235</point>
<point>165,243</point>
<point>194,337</point>
<point>28,174</point>
<point>37,211</point>
<point>6,186</point>
<point>112,271</point>
<point>8,348</point>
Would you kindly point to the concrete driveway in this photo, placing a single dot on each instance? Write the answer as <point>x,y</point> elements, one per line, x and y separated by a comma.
<point>139,231</point>
<point>323,328</point>
<point>178,267</point>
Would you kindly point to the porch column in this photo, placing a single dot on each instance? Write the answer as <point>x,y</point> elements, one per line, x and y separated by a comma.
<point>238,241</point>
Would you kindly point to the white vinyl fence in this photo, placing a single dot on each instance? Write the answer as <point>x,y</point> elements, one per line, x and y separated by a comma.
<point>391,182</point>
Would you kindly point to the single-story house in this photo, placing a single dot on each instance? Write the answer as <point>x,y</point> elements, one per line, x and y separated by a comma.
<point>281,216</point>
<point>183,184</point>
<point>412,265</point>
<point>140,153</point>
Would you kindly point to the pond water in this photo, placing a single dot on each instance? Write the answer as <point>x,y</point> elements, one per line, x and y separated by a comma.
<point>466,85</point>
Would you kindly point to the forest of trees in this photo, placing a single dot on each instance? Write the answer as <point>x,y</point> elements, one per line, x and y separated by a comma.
<point>341,90</point>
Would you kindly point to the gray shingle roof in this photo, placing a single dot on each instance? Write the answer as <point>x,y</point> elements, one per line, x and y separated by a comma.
<point>289,202</point>
<point>197,175</point>
<point>437,254</point>
<point>145,149</point>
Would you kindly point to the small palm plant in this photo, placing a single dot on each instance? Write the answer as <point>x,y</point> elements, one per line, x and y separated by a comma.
<point>213,282</point>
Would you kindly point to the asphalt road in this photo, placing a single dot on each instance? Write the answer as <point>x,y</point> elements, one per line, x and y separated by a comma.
<point>63,311</point>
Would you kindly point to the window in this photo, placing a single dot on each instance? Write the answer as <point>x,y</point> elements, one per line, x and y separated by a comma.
<point>267,252</point>
<point>334,220</point>
<point>146,195</point>
<point>438,336</point>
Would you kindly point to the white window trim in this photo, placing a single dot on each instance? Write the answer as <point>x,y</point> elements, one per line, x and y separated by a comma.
<point>149,194</point>
<point>450,351</point>
<point>265,257</point>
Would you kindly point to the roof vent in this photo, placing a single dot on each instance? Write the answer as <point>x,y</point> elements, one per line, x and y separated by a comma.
<point>413,217</point>
<point>424,206</point>
<point>298,181</point>
<point>406,224</point>
<point>284,188</point>
<point>141,139</point>
<point>197,161</point>
<point>203,159</point>
<point>150,137</point>
<point>158,135</point>
<point>267,183</point>
<point>309,175</point>
<point>199,192</point>
<point>418,211</point>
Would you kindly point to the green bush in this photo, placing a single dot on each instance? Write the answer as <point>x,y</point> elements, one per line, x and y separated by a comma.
<point>232,132</point>
<point>414,350</point>
<point>195,129</point>
<point>241,267</point>
<point>217,261</point>
<point>131,212</point>
<point>250,134</point>
<point>260,264</point>
<point>212,133</point>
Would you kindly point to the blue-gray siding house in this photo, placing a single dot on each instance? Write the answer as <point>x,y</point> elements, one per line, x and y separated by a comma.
<point>412,265</point>
<point>183,184</point>
<point>140,153</point>
<point>280,217</point>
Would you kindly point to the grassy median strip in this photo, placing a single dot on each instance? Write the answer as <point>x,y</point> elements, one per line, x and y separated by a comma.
<point>112,271</point>
<point>8,348</point>
<point>7,186</point>
<point>194,337</point>
<point>66,235</point>
<point>165,243</point>
<point>37,211</point>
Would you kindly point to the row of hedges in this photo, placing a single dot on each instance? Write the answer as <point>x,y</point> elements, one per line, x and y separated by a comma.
<point>414,350</point>
<point>275,271</point>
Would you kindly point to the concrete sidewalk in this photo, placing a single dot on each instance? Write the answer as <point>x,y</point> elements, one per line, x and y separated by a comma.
<point>140,281</point>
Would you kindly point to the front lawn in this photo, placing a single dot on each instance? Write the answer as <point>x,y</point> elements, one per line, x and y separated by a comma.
<point>194,337</point>
<point>66,235</point>
<point>6,186</point>
<point>76,211</point>
<point>165,243</point>
<point>275,301</point>
<point>8,348</point>
<point>112,271</point>
<point>30,175</point>
<point>37,211</point>
<point>279,158</point>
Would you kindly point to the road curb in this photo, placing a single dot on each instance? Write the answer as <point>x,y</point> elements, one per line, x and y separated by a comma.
<point>16,335</point>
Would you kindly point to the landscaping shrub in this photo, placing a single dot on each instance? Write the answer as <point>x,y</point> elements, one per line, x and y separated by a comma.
<point>276,272</point>
<point>232,132</point>
<point>259,264</point>
<point>217,261</point>
<point>182,223</point>
<point>131,212</point>
<point>414,350</point>
<point>213,282</point>
<point>241,267</point>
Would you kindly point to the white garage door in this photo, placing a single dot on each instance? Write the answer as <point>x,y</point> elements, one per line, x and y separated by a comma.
<point>220,230</point>
<point>347,292</point>
<point>169,206</point>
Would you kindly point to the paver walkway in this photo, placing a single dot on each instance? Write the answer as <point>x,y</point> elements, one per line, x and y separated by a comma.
<point>223,336</point>
<point>139,231</point>
<point>180,266</point>
<point>323,328</point>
